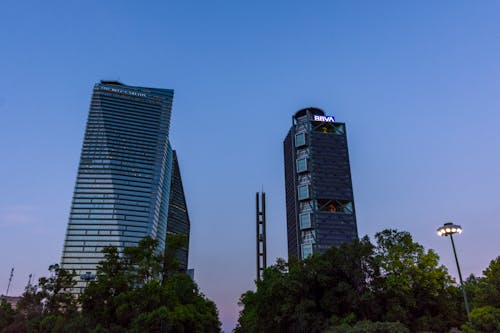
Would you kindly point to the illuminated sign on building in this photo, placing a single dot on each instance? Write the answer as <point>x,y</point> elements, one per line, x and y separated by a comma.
<point>326,119</point>
<point>123,91</point>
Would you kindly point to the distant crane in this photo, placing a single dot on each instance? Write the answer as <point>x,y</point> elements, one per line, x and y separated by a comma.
<point>10,281</point>
<point>29,281</point>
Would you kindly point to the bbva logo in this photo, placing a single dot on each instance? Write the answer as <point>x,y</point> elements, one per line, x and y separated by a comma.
<point>327,119</point>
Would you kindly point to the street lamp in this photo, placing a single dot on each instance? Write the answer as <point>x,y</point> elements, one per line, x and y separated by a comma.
<point>448,229</point>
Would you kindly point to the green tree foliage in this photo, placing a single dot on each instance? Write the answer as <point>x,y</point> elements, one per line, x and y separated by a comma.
<point>392,285</point>
<point>131,293</point>
<point>484,293</point>
<point>172,248</point>
<point>488,287</point>
<point>143,263</point>
<point>304,296</point>
<point>48,306</point>
<point>7,314</point>
<point>366,326</point>
<point>414,289</point>
<point>30,303</point>
<point>471,288</point>
<point>55,291</point>
<point>100,299</point>
<point>484,319</point>
<point>134,293</point>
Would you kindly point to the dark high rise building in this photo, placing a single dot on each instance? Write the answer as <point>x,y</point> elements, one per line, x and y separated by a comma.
<point>319,196</point>
<point>178,218</point>
<point>128,184</point>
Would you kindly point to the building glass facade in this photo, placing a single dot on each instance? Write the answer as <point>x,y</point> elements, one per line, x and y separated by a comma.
<point>319,196</point>
<point>178,217</point>
<point>123,187</point>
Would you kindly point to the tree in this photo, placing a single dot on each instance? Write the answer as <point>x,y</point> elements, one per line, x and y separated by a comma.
<point>7,314</point>
<point>471,285</point>
<point>484,319</point>
<point>366,326</point>
<point>485,295</point>
<point>357,287</point>
<point>48,306</point>
<point>132,293</point>
<point>488,288</point>
<point>311,294</point>
<point>141,290</point>
<point>99,302</point>
<point>55,291</point>
<point>414,288</point>
<point>144,263</point>
<point>247,322</point>
<point>174,243</point>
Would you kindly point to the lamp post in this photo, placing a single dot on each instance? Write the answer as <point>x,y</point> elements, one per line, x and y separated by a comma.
<point>448,229</point>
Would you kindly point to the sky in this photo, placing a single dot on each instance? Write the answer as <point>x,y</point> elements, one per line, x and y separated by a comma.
<point>416,82</point>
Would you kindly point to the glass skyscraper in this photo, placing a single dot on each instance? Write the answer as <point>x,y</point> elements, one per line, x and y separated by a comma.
<point>128,178</point>
<point>319,197</point>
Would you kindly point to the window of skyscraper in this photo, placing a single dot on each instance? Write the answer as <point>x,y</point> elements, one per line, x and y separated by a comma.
<point>303,192</point>
<point>348,207</point>
<point>301,165</point>
<point>334,128</point>
<point>307,250</point>
<point>300,139</point>
<point>305,220</point>
<point>335,206</point>
<point>308,236</point>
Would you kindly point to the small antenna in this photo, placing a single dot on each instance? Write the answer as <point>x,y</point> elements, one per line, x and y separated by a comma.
<point>10,281</point>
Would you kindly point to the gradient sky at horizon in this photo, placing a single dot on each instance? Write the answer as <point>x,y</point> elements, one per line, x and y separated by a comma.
<point>417,84</point>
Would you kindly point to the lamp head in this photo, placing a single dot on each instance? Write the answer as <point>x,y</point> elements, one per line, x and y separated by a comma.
<point>449,229</point>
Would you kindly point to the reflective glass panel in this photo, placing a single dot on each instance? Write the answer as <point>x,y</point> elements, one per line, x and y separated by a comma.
<point>301,165</point>
<point>303,192</point>
<point>307,250</point>
<point>300,139</point>
<point>305,220</point>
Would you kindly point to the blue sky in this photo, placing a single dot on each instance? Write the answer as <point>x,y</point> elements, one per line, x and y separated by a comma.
<point>417,84</point>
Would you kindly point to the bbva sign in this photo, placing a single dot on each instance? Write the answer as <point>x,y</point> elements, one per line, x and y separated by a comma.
<point>326,119</point>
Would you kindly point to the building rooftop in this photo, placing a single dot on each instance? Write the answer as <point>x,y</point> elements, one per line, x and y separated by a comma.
<point>311,110</point>
<point>112,83</point>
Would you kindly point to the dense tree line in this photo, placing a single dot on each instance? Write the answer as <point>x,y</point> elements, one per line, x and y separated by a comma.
<point>139,291</point>
<point>394,285</point>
